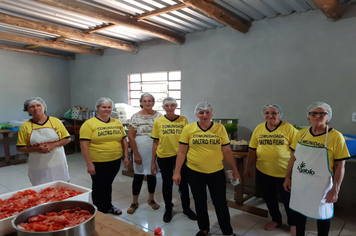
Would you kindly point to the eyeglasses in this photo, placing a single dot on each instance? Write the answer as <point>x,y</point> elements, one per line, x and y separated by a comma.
<point>169,105</point>
<point>321,114</point>
<point>270,114</point>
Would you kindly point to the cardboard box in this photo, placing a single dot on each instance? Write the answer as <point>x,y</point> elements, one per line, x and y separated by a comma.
<point>5,224</point>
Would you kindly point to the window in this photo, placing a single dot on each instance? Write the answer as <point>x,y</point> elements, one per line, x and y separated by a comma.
<point>159,84</point>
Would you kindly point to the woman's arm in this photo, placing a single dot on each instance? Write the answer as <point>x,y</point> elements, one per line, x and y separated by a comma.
<point>133,145</point>
<point>44,148</point>
<point>60,143</point>
<point>229,158</point>
<point>287,182</point>
<point>125,149</point>
<point>333,193</point>
<point>153,162</point>
<point>182,152</point>
<point>250,159</point>
<point>84,146</point>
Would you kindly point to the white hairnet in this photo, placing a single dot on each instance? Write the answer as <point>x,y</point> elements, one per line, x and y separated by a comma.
<point>274,105</point>
<point>28,102</point>
<point>202,106</point>
<point>169,100</point>
<point>146,95</point>
<point>102,100</point>
<point>326,107</point>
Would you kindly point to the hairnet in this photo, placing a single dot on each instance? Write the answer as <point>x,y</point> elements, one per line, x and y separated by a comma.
<point>28,102</point>
<point>147,95</point>
<point>202,106</point>
<point>169,100</point>
<point>326,107</point>
<point>274,105</point>
<point>102,100</point>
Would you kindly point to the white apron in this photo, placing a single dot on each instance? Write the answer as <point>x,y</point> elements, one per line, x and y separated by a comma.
<point>311,180</point>
<point>44,168</point>
<point>144,148</point>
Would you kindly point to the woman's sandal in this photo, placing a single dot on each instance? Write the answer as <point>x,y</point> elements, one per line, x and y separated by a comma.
<point>115,211</point>
<point>153,204</point>
<point>132,208</point>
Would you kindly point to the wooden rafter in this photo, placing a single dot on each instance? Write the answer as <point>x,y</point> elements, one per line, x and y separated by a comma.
<point>216,13</point>
<point>160,11</point>
<point>101,27</point>
<point>66,32</point>
<point>330,8</point>
<point>116,19</point>
<point>37,52</point>
<point>49,44</point>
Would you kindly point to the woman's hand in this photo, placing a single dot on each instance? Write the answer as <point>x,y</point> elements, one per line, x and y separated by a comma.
<point>332,196</point>
<point>126,162</point>
<point>43,149</point>
<point>154,169</point>
<point>287,184</point>
<point>176,178</point>
<point>91,169</point>
<point>247,172</point>
<point>137,159</point>
<point>236,175</point>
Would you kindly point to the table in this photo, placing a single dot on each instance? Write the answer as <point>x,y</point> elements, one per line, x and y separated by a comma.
<point>7,159</point>
<point>239,190</point>
<point>106,225</point>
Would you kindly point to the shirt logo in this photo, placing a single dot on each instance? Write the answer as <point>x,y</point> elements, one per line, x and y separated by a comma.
<point>301,168</point>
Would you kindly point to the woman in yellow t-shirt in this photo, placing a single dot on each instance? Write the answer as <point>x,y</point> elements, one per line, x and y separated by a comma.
<point>103,143</point>
<point>206,144</point>
<point>270,146</point>
<point>165,134</point>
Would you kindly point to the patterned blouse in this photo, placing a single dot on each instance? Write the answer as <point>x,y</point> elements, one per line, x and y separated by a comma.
<point>143,124</point>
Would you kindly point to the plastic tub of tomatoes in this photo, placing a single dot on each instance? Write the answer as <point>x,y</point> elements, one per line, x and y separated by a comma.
<point>11,204</point>
<point>65,218</point>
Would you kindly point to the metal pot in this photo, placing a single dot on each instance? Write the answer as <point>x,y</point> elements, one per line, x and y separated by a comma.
<point>87,114</point>
<point>85,228</point>
<point>239,148</point>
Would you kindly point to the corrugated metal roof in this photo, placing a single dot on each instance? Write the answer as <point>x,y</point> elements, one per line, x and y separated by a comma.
<point>183,21</point>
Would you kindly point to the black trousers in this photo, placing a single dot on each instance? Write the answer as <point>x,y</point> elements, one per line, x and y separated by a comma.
<point>216,184</point>
<point>270,187</point>
<point>105,173</point>
<point>137,184</point>
<point>323,225</point>
<point>167,166</point>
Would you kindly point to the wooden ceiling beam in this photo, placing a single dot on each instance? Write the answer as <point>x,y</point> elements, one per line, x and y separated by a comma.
<point>160,11</point>
<point>66,32</point>
<point>116,19</point>
<point>37,52</point>
<point>101,27</point>
<point>216,13</point>
<point>330,8</point>
<point>49,44</point>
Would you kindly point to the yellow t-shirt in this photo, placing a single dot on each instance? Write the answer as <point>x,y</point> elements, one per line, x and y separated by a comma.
<point>168,133</point>
<point>105,139</point>
<point>204,154</point>
<point>26,128</point>
<point>273,148</point>
<point>336,145</point>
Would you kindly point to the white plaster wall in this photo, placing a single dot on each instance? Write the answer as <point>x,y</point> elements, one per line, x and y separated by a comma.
<point>293,61</point>
<point>25,75</point>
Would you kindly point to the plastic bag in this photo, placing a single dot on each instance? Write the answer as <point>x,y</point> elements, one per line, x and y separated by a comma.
<point>68,114</point>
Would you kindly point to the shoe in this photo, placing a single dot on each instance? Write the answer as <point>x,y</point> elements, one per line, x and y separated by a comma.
<point>201,233</point>
<point>132,208</point>
<point>191,215</point>
<point>153,204</point>
<point>272,225</point>
<point>115,211</point>
<point>167,217</point>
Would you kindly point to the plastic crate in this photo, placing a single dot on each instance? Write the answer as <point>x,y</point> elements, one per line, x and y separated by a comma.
<point>351,144</point>
<point>14,128</point>
<point>5,224</point>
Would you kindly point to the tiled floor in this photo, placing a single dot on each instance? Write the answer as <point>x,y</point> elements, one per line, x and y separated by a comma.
<point>13,178</point>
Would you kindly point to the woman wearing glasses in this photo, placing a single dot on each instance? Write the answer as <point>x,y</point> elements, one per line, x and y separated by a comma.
<point>165,134</point>
<point>270,146</point>
<point>316,170</point>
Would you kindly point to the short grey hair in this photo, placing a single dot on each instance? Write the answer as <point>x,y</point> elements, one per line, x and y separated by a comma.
<point>103,100</point>
<point>29,101</point>
<point>169,100</point>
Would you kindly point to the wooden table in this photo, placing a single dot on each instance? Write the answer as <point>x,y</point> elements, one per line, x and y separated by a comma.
<point>106,225</point>
<point>7,159</point>
<point>239,190</point>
